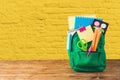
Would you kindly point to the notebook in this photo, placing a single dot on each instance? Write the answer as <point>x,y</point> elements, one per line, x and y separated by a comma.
<point>85,33</point>
<point>72,20</point>
<point>84,21</point>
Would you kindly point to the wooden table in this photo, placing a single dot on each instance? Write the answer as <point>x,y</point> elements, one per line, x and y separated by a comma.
<point>54,70</point>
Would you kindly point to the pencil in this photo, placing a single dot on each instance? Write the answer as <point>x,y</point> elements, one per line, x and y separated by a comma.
<point>94,40</point>
<point>97,38</point>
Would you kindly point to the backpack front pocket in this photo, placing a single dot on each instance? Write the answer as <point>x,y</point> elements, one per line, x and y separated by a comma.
<point>82,60</point>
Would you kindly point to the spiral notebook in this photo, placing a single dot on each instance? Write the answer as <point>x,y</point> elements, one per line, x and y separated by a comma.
<point>72,20</point>
<point>84,21</point>
<point>75,22</point>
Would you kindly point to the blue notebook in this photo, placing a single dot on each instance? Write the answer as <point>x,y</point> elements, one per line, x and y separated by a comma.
<point>69,38</point>
<point>84,21</point>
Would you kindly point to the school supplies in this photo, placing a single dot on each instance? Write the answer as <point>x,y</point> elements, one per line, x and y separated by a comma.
<point>86,47</point>
<point>85,33</point>
<point>89,50</point>
<point>75,22</point>
<point>82,44</point>
<point>71,21</point>
<point>99,23</point>
<point>69,38</point>
<point>84,21</point>
<point>72,32</point>
<point>96,38</point>
<point>79,61</point>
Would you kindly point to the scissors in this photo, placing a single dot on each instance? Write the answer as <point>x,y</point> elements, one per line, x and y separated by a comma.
<point>82,44</point>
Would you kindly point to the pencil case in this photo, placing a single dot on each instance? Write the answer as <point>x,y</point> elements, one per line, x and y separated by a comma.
<point>79,61</point>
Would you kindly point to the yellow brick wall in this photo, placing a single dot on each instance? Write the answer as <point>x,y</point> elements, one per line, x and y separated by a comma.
<point>36,29</point>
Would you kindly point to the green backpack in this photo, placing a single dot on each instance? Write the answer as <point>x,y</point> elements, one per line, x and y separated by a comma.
<point>79,61</point>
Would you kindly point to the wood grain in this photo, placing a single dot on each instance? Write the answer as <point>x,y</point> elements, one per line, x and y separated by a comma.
<point>54,70</point>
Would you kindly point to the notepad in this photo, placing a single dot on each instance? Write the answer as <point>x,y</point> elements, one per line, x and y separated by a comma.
<point>85,33</point>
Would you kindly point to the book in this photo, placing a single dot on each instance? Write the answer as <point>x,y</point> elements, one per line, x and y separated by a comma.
<point>72,20</point>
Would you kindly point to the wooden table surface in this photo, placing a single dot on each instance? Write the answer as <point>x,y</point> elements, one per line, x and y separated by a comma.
<point>54,70</point>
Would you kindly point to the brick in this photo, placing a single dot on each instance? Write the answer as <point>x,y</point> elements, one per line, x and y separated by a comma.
<point>37,29</point>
